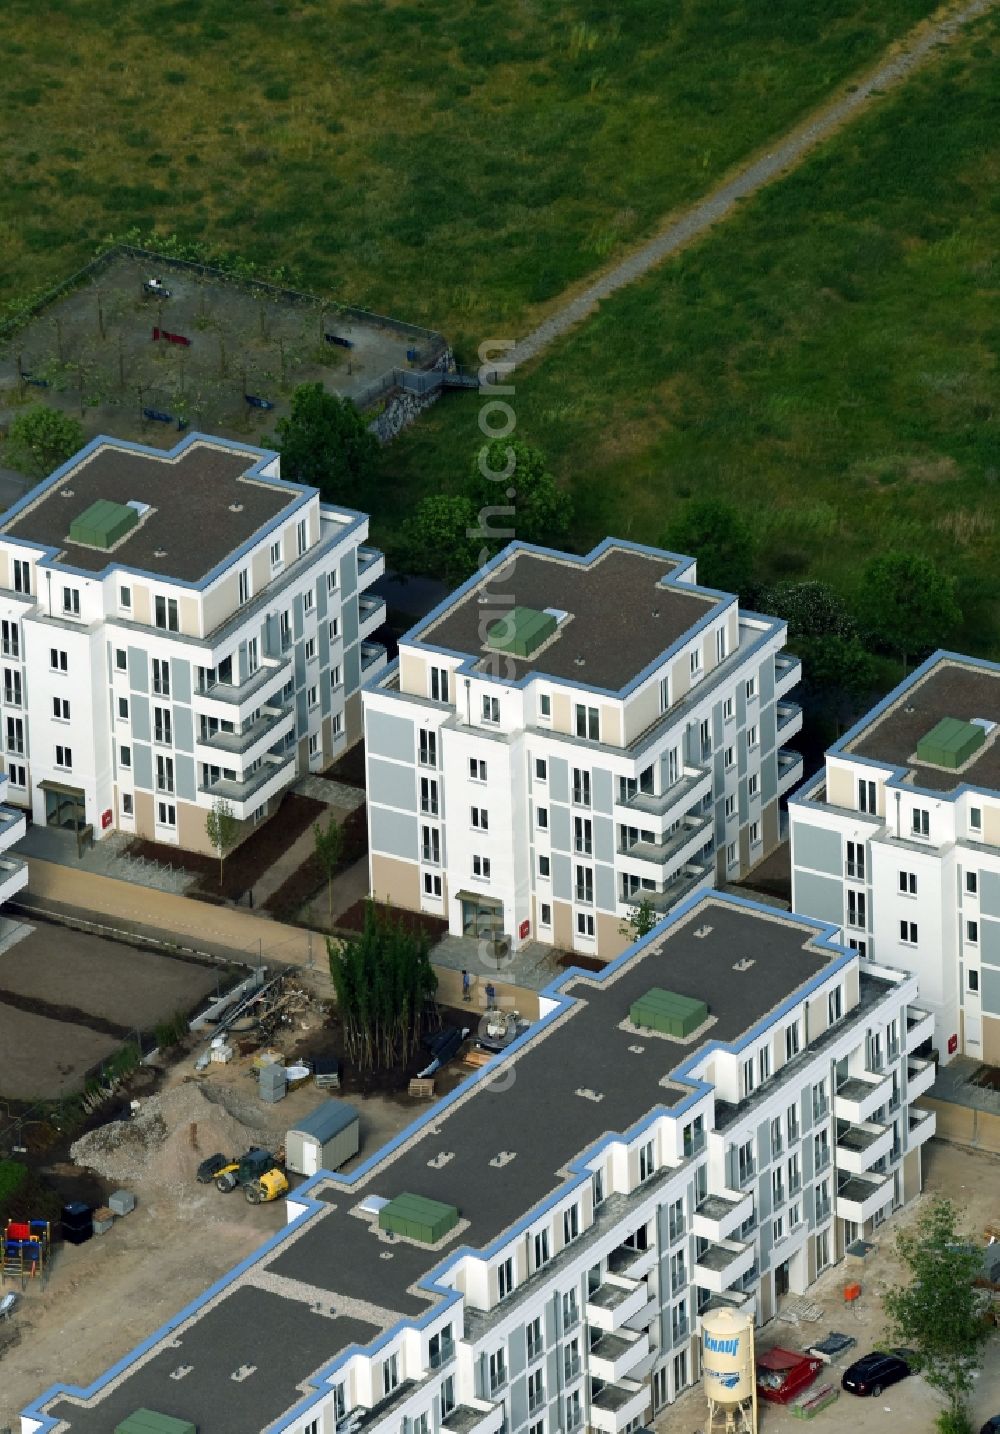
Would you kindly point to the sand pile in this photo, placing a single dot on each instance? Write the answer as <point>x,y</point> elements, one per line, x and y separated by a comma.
<point>163,1145</point>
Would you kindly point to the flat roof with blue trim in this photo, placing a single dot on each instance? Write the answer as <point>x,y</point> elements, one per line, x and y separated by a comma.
<point>331,1270</point>
<point>197,503</point>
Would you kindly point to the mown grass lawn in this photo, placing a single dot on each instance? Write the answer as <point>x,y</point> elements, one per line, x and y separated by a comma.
<point>826,359</point>
<point>457,164</point>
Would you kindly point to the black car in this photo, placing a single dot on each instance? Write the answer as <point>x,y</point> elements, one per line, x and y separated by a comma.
<point>874,1373</point>
<point>992,1425</point>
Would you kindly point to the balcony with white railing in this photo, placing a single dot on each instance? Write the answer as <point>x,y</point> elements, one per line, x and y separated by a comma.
<point>474,1416</point>
<point>789,769</point>
<point>693,876</point>
<point>13,876</point>
<point>788,720</point>
<point>373,658</point>
<point>859,1197</point>
<point>680,846</point>
<point>371,566</point>
<point>921,1126</point>
<point>691,787</point>
<point>719,1216</point>
<point>241,749</point>
<point>919,1027</point>
<point>614,1356</point>
<point>614,1302</point>
<point>860,1096</point>
<point>244,797</point>
<point>371,615</point>
<point>236,701</point>
<point>920,1076</point>
<point>722,1264</point>
<point>787,673</point>
<point>861,1146</point>
<point>631,1263</point>
<point>615,1406</point>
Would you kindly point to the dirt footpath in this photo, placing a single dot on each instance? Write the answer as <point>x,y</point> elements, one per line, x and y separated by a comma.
<point>972,1182</point>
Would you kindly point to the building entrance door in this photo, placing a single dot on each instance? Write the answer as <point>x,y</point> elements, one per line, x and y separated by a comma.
<point>64,807</point>
<point>781,1280</point>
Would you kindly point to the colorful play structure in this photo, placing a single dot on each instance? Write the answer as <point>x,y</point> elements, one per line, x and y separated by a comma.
<point>27,1247</point>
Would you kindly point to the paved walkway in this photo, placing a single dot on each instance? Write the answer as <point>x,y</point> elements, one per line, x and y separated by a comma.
<point>906,56</point>
<point>340,802</point>
<point>334,794</point>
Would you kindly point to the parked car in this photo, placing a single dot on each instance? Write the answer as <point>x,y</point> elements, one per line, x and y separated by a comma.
<point>875,1372</point>
<point>784,1373</point>
<point>992,1425</point>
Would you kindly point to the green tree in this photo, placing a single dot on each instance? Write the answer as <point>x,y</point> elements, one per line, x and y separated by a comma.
<point>721,540</point>
<point>811,609</point>
<point>329,849</point>
<point>514,496</point>
<point>639,921</point>
<point>222,829</point>
<point>838,670</point>
<point>384,982</point>
<point>326,442</point>
<point>908,605</point>
<point>435,538</point>
<point>938,1314</point>
<point>41,438</point>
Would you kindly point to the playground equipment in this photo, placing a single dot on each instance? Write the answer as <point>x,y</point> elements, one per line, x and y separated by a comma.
<point>27,1246</point>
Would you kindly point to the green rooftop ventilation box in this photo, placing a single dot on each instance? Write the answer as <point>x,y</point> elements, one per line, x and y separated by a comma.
<point>144,1421</point>
<point>670,1014</point>
<point>521,632</point>
<point>102,524</point>
<point>418,1218</point>
<point>951,743</point>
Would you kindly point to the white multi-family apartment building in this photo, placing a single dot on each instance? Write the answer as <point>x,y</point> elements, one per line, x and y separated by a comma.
<point>565,737</point>
<point>711,1120</point>
<point>178,628</point>
<point>897,842</point>
<point>13,869</point>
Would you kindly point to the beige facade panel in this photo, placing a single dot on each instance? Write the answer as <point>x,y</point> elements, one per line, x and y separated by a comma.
<point>840,791</point>
<point>642,710</point>
<point>561,712</point>
<point>143,803</point>
<point>353,719</point>
<point>142,608</point>
<point>991,1040</point>
<point>991,824</point>
<point>852,988</point>
<point>396,881</point>
<point>611,725</point>
<point>610,941</point>
<point>191,833</point>
<point>412,674</point>
<point>219,602</point>
<point>189,616</point>
<point>562,925</point>
<point>680,678</point>
<point>816,1015</point>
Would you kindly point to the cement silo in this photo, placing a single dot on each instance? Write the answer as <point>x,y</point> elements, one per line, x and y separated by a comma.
<point>728,1371</point>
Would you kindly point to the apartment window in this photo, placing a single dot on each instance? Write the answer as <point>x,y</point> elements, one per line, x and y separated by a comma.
<point>972,882</point>
<point>428,748</point>
<point>647,1163</point>
<point>308,600</point>
<point>583,835</point>
<point>480,819</point>
<point>544,867</point>
<point>778,1230</point>
<point>777,1188</point>
<point>166,814</point>
<point>58,660</point>
<point>432,884</point>
<point>755,833</point>
<point>244,585</point>
<point>794,1176</point>
<point>390,1374</point>
<point>751,688</point>
<point>337,726</point>
<point>856,860</point>
<point>334,629</point>
<point>908,883</point>
<point>730,757</point>
<point>748,1076</point>
<point>728,710</point>
<point>64,757</point>
<point>571,1224</point>
<point>921,824</point>
<point>536,1394</point>
<point>71,602</point>
<point>792,1123</point>
<point>491,708</point>
<point>973,982</point>
<point>585,884</point>
<point>421,1424</point>
<point>908,932</point>
<point>745,1164</point>
<point>300,536</point>
<point>705,735</point>
<point>439,684</point>
<point>165,613</point>
<point>533,1331</point>
<point>285,629</point>
<point>753,785</point>
<point>866,796</point>
<point>311,654</point>
<point>541,1251</point>
<point>15,736</point>
<point>856,912</point>
<point>128,805</point>
<point>498,1371</point>
<point>597,1186</point>
<point>664,694</point>
<point>12,686</point>
<point>976,818</point>
<point>791,1040</point>
<point>331,582</point>
<point>164,773</point>
<point>820,1105</point>
<point>477,769</point>
<point>751,738</point>
<point>10,638</point>
<point>161,677</point>
<point>505,1278</point>
<point>336,677</point>
<point>313,744</point>
<point>776,1140</point>
<point>720,644</point>
<point>588,723</point>
<point>544,705</point>
<point>675,1221</point>
<point>574,1409</point>
<point>446,1400</point>
<point>312,696</point>
<point>584,924</point>
<point>545,915</point>
<point>276,555</point>
<point>861,947</point>
<point>542,818</point>
<point>730,807</point>
<point>581,787</point>
<point>481,867</point>
<point>694,663</point>
<point>541,769</point>
<point>972,931</point>
<point>731,854</point>
<point>821,1150</point>
<point>125,757</point>
<point>679,1320</point>
<point>22,576</point>
<point>429,796</point>
<point>764,1063</point>
<point>835,1005</point>
<point>538,1428</point>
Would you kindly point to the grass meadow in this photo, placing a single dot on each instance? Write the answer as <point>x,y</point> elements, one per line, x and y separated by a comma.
<point>457,164</point>
<point>826,359</point>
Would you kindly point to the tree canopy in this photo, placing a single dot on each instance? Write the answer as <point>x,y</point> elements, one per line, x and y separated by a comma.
<point>326,442</point>
<point>515,497</point>
<point>435,538</point>
<point>40,439</point>
<point>720,538</point>
<point>811,609</point>
<point>939,1312</point>
<point>329,849</point>
<point>384,981</point>
<point>222,828</point>
<point>908,605</point>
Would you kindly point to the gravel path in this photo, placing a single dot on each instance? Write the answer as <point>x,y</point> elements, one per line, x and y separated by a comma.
<point>910,53</point>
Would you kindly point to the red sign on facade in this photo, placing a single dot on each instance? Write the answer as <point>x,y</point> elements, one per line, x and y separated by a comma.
<point>952,1045</point>
<point>106,819</point>
<point>524,928</point>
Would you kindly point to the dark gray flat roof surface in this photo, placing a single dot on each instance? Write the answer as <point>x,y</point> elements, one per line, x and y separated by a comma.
<point>950,689</point>
<point>621,618</point>
<point>283,1338</point>
<point>342,1256</point>
<point>193,524</point>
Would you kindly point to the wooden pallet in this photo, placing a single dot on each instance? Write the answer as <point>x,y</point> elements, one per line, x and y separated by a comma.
<point>477,1058</point>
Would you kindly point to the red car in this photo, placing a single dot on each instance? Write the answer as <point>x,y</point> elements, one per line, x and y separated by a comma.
<point>784,1373</point>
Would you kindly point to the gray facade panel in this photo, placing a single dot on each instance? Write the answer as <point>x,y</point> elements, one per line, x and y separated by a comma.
<point>765,681</point>
<point>989,942</point>
<point>817,848</point>
<point>180,680</point>
<point>184,777</point>
<point>388,736</point>
<point>562,888</point>
<point>764,1144</point>
<point>392,833</point>
<point>352,669</point>
<point>518,1396</point>
<point>602,791</point>
<point>349,620</point>
<point>989,893</point>
<point>559,779</point>
<point>989,981</point>
<point>391,785</point>
<point>604,887</point>
<point>183,722</point>
<point>550,1328</point>
<point>559,827</point>
<point>140,719</point>
<point>324,646</point>
<point>769,778</point>
<point>768,727</point>
<point>298,622</point>
<point>517,1358</point>
<point>301,712</point>
<point>321,600</point>
<point>819,896</point>
<point>138,669</point>
<point>299,663</point>
<point>604,839</point>
<point>142,765</point>
<point>348,572</point>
